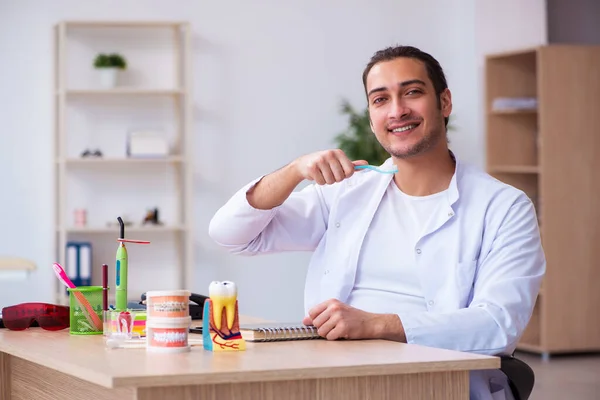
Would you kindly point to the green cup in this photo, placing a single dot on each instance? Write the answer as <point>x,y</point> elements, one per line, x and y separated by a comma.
<point>85,304</point>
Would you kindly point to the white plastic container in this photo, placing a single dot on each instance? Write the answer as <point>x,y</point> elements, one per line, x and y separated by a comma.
<point>168,304</point>
<point>168,335</point>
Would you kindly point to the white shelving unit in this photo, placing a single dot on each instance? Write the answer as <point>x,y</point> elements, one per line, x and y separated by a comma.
<point>157,82</point>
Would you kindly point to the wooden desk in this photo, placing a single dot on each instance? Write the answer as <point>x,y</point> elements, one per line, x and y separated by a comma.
<point>36,364</point>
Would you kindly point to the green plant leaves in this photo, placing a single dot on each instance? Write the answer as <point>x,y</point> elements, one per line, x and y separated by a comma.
<point>112,60</point>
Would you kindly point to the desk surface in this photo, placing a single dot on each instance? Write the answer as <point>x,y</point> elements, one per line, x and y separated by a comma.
<point>87,358</point>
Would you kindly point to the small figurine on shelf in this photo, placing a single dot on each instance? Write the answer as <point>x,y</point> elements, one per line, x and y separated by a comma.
<point>152,217</point>
<point>221,329</point>
<point>80,217</point>
<point>91,153</point>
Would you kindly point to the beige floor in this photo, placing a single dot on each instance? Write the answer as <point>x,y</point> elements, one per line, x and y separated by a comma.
<point>572,377</point>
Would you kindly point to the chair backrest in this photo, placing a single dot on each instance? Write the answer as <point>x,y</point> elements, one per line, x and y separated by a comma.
<point>520,376</point>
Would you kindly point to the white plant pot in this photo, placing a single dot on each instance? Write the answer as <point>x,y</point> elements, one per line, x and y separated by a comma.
<point>108,77</point>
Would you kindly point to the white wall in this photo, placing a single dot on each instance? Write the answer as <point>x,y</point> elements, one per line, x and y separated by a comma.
<point>265,76</point>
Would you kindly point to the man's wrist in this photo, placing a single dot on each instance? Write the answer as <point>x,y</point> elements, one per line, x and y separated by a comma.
<point>388,327</point>
<point>273,189</point>
<point>293,170</point>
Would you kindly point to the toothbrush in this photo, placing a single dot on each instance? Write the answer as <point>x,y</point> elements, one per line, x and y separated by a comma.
<point>121,265</point>
<point>86,307</point>
<point>374,168</point>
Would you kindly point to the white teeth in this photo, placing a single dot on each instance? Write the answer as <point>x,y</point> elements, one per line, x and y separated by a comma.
<point>223,295</point>
<point>224,288</point>
<point>405,128</point>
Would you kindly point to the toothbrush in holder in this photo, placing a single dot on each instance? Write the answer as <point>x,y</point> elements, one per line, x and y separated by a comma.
<point>122,261</point>
<point>86,307</point>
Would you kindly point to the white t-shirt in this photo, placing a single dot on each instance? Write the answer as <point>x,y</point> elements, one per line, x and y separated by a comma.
<point>386,278</point>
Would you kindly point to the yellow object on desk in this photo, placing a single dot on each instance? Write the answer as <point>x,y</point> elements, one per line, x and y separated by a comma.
<point>220,320</point>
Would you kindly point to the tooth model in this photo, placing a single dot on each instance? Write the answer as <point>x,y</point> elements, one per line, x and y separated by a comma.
<point>221,328</point>
<point>223,295</point>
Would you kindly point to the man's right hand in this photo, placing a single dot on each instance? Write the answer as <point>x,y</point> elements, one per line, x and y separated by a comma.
<point>326,167</point>
<point>323,167</point>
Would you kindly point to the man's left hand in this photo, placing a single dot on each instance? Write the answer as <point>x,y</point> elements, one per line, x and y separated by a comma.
<point>336,320</point>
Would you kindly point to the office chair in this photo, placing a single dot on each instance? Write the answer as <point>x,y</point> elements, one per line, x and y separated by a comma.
<point>521,377</point>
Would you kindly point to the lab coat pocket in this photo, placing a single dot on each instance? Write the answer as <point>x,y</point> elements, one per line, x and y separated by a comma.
<point>465,275</point>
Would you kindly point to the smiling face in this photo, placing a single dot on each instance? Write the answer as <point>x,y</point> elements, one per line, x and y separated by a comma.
<point>406,115</point>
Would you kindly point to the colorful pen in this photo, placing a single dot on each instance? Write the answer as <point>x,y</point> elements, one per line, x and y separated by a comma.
<point>121,265</point>
<point>104,287</point>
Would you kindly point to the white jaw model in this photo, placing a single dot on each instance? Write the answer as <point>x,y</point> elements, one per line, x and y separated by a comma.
<point>223,295</point>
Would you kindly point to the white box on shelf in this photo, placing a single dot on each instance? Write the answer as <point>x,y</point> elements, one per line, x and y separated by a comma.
<point>142,144</point>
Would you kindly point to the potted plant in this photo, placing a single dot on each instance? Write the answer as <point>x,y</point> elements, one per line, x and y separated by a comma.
<point>109,66</point>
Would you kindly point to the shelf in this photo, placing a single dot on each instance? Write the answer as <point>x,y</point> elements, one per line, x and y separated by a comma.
<point>156,95</point>
<point>514,140</point>
<point>511,111</point>
<point>16,264</point>
<point>121,91</point>
<point>515,169</point>
<point>119,161</point>
<point>124,24</point>
<point>548,152</point>
<point>503,55</point>
<point>530,347</point>
<point>511,75</point>
<point>130,229</point>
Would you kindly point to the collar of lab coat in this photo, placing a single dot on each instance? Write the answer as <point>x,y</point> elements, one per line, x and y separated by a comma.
<point>348,226</point>
<point>453,194</point>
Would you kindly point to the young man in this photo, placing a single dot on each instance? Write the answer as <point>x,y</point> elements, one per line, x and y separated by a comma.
<point>439,254</point>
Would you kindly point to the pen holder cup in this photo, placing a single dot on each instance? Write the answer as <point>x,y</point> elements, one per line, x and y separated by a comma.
<point>85,303</point>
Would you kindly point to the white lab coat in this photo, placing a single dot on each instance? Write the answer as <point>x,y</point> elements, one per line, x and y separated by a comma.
<point>480,260</point>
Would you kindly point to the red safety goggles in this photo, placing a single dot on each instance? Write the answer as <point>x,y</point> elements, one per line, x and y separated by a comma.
<point>50,317</point>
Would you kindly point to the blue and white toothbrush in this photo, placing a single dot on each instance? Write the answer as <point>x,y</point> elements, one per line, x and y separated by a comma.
<point>374,168</point>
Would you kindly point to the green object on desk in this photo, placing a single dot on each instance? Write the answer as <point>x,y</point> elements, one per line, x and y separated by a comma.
<point>121,284</point>
<point>79,322</point>
<point>122,265</point>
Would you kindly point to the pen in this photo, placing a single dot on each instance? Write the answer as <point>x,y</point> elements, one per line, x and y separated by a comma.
<point>104,287</point>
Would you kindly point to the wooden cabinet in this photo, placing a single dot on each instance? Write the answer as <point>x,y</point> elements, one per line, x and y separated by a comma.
<point>543,136</point>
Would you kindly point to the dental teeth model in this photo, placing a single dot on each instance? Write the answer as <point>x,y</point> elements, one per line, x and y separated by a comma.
<point>168,320</point>
<point>219,335</point>
<point>223,295</point>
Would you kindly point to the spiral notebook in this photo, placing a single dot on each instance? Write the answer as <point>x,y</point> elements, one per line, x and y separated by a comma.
<point>274,332</point>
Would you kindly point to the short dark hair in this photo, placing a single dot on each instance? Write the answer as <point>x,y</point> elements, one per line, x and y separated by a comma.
<point>433,67</point>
